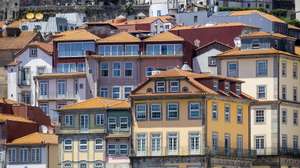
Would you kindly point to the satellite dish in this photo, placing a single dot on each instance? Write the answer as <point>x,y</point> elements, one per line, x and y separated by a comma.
<point>39,16</point>
<point>29,15</point>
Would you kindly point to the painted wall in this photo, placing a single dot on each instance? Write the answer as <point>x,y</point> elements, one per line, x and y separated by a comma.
<point>200,62</point>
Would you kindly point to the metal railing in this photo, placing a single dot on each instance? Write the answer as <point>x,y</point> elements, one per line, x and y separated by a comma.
<point>67,95</point>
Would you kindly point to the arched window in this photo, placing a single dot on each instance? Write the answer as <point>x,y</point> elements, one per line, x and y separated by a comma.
<point>67,164</point>
<point>99,164</point>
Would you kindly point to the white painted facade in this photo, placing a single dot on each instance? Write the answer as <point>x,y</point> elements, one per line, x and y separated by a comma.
<point>158,10</point>
<point>42,60</point>
<point>201,62</point>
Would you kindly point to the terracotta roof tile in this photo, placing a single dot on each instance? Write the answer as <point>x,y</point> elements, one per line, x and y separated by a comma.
<point>165,36</point>
<point>267,51</point>
<point>293,27</point>
<point>8,101</point>
<point>250,12</point>
<point>98,103</point>
<point>8,117</point>
<point>122,37</point>
<point>266,34</point>
<point>231,24</point>
<point>36,139</point>
<point>17,43</point>
<point>47,47</point>
<point>75,35</point>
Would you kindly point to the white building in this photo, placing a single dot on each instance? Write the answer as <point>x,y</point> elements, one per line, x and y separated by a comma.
<point>33,60</point>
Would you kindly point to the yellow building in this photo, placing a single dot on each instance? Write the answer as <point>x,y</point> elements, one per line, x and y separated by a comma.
<point>186,116</point>
<point>94,131</point>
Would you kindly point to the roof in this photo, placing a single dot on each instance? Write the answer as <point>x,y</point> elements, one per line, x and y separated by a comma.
<point>8,117</point>
<point>7,101</point>
<point>75,35</point>
<point>122,37</point>
<point>147,20</point>
<point>47,47</point>
<point>35,138</point>
<point>17,43</point>
<point>220,25</point>
<point>293,27</point>
<point>166,18</point>
<point>165,36</point>
<point>250,12</point>
<point>267,51</point>
<point>61,75</point>
<point>266,34</point>
<point>98,103</point>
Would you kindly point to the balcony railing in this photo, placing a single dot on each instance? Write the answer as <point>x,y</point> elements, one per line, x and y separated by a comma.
<point>119,130</point>
<point>67,95</point>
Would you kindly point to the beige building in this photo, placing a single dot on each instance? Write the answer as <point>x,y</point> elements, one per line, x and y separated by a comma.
<point>270,68</point>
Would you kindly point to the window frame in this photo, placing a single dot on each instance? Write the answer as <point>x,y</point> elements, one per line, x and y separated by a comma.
<point>119,92</point>
<point>104,71</point>
<point>261,74</point>
<point>100,145</point>
<point>83,147</point>
<point>168,111</point>
<point>230,72</point>
<point>101,119</point>
<point>162,87</point>
<point>199,111</point>
<point>145,112</point>
<point>68,145</point>
<point>114,69</point>
<point>261,118</point>
<point>160,111</point>
<point>171,87</point>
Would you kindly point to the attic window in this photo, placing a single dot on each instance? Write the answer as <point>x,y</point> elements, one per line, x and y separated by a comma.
<point>185,89</point>
<point>255,44</point>
<point>149,90</point>
<point>227,86</point>
<point>32,52</point>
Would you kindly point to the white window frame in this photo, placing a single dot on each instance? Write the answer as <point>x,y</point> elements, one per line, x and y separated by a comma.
<point>144,112</point>
<point>103,92</point>
<point>259,91</point>
<point>121,149</point>
<point>104,69</point>
<point>85,123</point>
<point>99,146</point>
<point>214,112</point>
<point>115,149</point>
<point>152,111</point>
<point>173,143</point>
<point>259,118</point>
<point>44,88</point>
<point>160,88</point>
<point>141,144</point>
<point>239,114</point>
<point>119,93</point>
<point>99,119</point>
<point>110,123</point>
<point>116,69</point>
<point>156,144</point>
<point>126,92</point>
<point>174,88</point>
<point>35,155</point>
<point>68,145</point>
<point>227,113</point>
<point>195,110</point>
<point>12,155</point>
<point>295,117</point>
<point>194,143</point>
<point>83,146</point>
<point>148,71</point>
<point>24,155</point>
<point>127,69</point>
<point>124,123</point>
<point>68,120</point>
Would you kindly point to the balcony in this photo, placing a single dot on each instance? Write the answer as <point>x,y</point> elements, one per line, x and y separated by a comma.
<point>119,133</point>
<point>66,96</point>
<point>79,130</point>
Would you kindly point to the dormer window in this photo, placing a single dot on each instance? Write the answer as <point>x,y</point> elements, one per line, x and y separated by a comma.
<point>238,88</point>
<point>160,86</point>
<point>227,87</point>
<point>255,44</point>
<point>215,85</point>
<point>32,52</point>
<point>174,86</point>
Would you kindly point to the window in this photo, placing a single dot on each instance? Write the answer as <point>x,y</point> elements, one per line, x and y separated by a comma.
<point>259,142</point>
<point>238,89</point>
<point>163,49</point>
<point>155,143</point>
<point>84,121</point>
<point>103,92</point>
<point>194,143</point>
<point>173,110</point>
<point>32,52</point>
<point>239,145</point>
<point>40,70</point>
<point>283,69</point>
<point>61,87</point>
<point>284,116</point>
<point>99,120</point>
<point>215,85</point>
<point>141,143</point>
<point>26,97</point>
<point>112,123</point>
<point>116,92</point>
<point>124,123</point>
<point>295,94</point>
<point>127,91</point>
<point>174,86</point>
<point>67,164</point>
<point>195,19</point>
<point>160,86</point>
<point>227,112</point>
<point>295,70</point>
<point>215,141</point>
<point>227,86</point>
<point>284,142</point>
<point>261,68</point>
<point>283,92</point>
<point>123,149</point>
<point>83,144</point>
<point>112,149</point>
<point>240,114</point>
<point>232,69</point>
<point>116,69</point>
<point>24,155</point>
<point>74,49</point>
<point>12,155</point>
<point>24,76</point>
<point>141,110</point>
<point>80,67</point>
<point>98,164</point>
<point>44,107</point>
<point>83,165</point>
<point>227,144</point>
<point>295,142</point>
<point>99,144</point>
<point>155,111</point>
<point>104,69</point>
<point>149,71</point>
<point>67,145</point>
<point>68,120</point>
<point>66,67</point>
<point>259,116</point>
<point>212,61</point>
<point>255,44</point>
<point>172,143</point>
<point>214,113</point>
<point>295,117</point>
<point>195,110</point>
<point>76,89</point>
<point>128,69</point>
<point>132,50</point>
<point>261,92</point>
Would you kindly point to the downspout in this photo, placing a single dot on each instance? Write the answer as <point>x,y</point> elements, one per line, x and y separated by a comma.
<point>278,106</point>
<point>205,122</point>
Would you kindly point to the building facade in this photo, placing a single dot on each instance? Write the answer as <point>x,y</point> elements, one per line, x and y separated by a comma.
<point>271,59</point>
<point>94,133</point>
<point>185,119</point>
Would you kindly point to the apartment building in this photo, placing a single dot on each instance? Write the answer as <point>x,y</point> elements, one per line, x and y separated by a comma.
<point>122,61</point>
<point>270,68</point>
<point>94,133</point>
<point>184,119</point>
<point>33,60</point>
<point>264,4</point>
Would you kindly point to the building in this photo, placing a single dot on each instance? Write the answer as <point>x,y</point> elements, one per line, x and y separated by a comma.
<point>185,119</point>
<point>270,68</point>
<point>287,4</point>
<point>297,9</point>
<point>95,133</point>
<point>33,60</point>
<point>122,61</point>
<point>34,150</point>
<point>9,9</point>
<point>264,4</point>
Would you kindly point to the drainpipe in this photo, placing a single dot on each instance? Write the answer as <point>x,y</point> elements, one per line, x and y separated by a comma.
<point>278,108</point>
